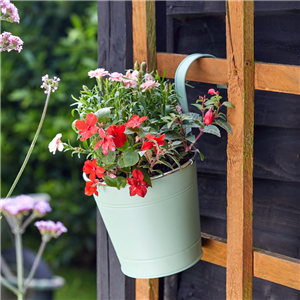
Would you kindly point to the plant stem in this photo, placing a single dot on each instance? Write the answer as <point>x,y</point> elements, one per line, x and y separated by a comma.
<point>19,257</point>
<point>28,221</point>
<point>34,266</point>
<point>8,285</point>
<point>31,146</point>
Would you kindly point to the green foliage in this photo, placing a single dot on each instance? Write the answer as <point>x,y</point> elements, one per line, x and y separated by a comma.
<point>60,39</point>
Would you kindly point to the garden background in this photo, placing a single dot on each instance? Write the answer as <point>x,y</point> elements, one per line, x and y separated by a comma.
<point>60,39</point>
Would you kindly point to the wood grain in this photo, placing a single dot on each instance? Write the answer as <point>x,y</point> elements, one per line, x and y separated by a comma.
<point>268,77</point>
<point>144,38</point>
<point>277,268</point>
<point>146,289</point>
<point>240,58</point>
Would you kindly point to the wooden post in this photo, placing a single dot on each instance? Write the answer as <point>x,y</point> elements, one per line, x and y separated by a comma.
<point>143,32</point>
<point>144,49</point>
<point>146,289</point>
<point>240,59</point>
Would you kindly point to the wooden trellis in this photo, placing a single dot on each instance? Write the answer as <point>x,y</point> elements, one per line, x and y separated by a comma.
<point>242,76</point>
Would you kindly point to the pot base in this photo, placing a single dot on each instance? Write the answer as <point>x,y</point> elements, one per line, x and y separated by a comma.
<point>165,266</point>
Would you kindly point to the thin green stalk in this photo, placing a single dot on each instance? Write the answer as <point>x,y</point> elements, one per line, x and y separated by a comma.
<point>8,285</point>
<point>34,266</point>
<point>31,146</point>
<point>19,256</point>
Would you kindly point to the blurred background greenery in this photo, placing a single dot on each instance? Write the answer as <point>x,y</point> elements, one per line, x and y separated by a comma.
<point>60,39</point>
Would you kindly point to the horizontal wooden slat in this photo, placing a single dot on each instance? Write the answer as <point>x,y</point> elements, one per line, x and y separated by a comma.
<point>267,265</point>
<point>277,268</point>
<point>268,77</point>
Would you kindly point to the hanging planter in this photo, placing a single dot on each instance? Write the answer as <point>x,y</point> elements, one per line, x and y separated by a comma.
<point>141,167</point>
<point>157,235</point>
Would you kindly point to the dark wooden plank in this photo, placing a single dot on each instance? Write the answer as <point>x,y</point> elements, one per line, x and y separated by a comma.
<point>171,287</point>
<point>185,8</point>
<point>115,55</point>
<point>102,260</point>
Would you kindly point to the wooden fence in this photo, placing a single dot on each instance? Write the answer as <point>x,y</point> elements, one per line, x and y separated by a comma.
<point>242,75</point>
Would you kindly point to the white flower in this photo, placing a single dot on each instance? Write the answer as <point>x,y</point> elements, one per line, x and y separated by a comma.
<point>56,144</point>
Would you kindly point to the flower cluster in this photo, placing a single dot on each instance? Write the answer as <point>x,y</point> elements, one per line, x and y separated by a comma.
<point>10,42</point>
<point>49,84</point>
<point>49,229</point>
<point>20,206</point>
<point>9,12</point>
<point>132,128</point>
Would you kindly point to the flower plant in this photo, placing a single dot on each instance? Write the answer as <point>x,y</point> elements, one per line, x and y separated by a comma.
<point>131,127</point>
<point>20,211</point>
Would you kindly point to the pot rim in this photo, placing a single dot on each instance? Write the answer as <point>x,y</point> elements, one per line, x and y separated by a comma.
<point>188,163</point>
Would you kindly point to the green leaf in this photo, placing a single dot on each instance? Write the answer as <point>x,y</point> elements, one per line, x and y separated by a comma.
<point>109,159</point>
<point>130,157</point>
<point>102,114</point>
<point>121,162</point>
<point>191,138</point>
<point>212,129</point>
<point>224,125</point>
<point>199,106</point>
<point>124,147</point>
<point>209,102</point>
<point>147,177</point>
<point>118,182</point>
<point>228,104</point>
<point>173,136</point>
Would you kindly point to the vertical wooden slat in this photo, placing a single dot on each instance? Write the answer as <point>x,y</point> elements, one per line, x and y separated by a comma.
<point>144,49</point>
<point>146,289</point>
<point>143,32</point>
<point>240,59</point>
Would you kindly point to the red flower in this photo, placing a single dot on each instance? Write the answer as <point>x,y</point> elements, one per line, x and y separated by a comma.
<point>118,133</point>
<point>91,167</point>
<point>107,142</point>
<point>87,128</point>
<point>211,91</point>
<point>208,118</point>
<point>148,145</point>
<point>91,186</point>
<point>137,185</point>
<point>135,121</point>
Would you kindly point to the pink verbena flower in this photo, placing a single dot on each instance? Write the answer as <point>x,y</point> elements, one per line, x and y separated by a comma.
<point>49,229</point>
<point>41,208</point>
<point>10,42</point>
<point>49,84</point>
<point>116,76</point>
<point>17,206</point>
<point>148,85</point>
<point>9,11</point>
<point>97,73</point>
<point>56,144</point>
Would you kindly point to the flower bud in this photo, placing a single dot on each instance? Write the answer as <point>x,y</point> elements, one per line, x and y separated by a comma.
<point>209,116</point>
<point>143,66</point>
<point>136,66</point>
<point>85,88</point>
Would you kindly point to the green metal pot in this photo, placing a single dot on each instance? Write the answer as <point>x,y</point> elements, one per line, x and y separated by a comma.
<point>158,235</point>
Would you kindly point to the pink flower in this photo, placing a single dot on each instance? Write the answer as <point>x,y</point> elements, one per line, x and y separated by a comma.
<point>56,144</point>
<point>91,186</point>
<point>17,206</point>
<point>97,73</point>
<point>211,91</point>
<point>10,42</point>
<point>87,128</point>
<point>135,121</point>
<point>9,11</point>
<point>49,84</point>
<point>118,133</point>
<point>91,167</point>
<point>131,79</point>
<point>107,142</point>
<point>208,118</point>
<point>137,185</point>
<point>148,77</point>
<point>116,76</point>
<point>41,208</point>
<point>49,229</point>
<point>148,85</point>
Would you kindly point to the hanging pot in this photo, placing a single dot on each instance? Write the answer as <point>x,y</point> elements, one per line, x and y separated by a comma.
<point>158,235</point>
